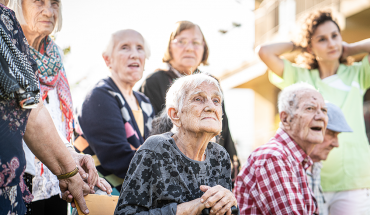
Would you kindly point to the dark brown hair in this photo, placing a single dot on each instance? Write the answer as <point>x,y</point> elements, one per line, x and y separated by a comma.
<point>309,26</point>
<point>181,26</point>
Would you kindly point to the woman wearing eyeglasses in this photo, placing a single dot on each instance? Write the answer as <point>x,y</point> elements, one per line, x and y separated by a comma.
<point>186,50</point>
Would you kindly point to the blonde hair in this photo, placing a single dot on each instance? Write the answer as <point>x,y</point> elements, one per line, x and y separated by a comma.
<point>181,26</point>
<point>16,6</point>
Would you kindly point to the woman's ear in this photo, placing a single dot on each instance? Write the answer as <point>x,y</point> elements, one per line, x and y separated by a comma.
<point>107,60</point>
<point>285,119</point>
<point>309,50</point>
<point>172,113</point>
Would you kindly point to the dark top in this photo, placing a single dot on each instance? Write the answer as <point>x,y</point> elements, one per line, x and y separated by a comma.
<point>13,121</point>
<point>155,87</point>
<point>160,177</point>
<point>110,129</point>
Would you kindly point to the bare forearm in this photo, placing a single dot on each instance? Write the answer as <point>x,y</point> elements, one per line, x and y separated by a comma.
<point>42,138</point>
<point>270,55</point>
<point>362,46</point>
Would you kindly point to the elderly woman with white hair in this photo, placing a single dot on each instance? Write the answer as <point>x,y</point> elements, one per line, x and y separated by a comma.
<point>114,119</point>
<point>38,20</point>
<point>182,172</point>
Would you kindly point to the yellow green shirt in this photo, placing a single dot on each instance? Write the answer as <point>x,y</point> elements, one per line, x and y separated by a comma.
<point>348,166</point>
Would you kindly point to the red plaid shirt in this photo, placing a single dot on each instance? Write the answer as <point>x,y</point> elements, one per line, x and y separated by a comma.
<point>273,181</point>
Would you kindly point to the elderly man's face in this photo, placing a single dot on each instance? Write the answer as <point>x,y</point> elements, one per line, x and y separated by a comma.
<point>309,120</point>
<point>321,151</point>
<point>202,110</point>
<point>40,16</point>
<point>127,60</point>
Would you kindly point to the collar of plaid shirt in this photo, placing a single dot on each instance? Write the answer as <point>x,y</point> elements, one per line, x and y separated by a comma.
<point>274,181</point>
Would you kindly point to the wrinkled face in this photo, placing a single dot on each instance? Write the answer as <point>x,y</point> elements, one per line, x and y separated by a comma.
<point>326,42</point>
<point>187,49</point>
<point>321,151</point>
<point>309,121</point>
<point>127,60</point>
<point>202,110</point>
<point>40,15</point>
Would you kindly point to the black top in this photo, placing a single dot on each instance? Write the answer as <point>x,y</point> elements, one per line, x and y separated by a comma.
<point>160,177</point>
<point>155,88</point>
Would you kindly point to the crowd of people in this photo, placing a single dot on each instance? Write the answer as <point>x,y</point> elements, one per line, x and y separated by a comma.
<point>168,149</point>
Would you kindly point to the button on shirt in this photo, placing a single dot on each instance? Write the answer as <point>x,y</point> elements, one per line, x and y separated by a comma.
<point>273,181</point>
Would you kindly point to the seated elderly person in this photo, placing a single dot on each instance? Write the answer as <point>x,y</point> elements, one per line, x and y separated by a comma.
<point>337,123</point>
<point>182,172</point>
<point>273,180</point>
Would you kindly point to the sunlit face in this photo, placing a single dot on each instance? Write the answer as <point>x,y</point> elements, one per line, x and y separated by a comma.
<point>40,15</point>
<point>127,60</point>
<point>309,121</point>
<point>326,42</point>
<point>321,151</point>
<point>202,110</point>
<point>187,50</point>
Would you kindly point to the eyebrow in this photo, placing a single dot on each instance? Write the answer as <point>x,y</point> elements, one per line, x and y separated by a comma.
<point>201,91</point>
<point>335,31</point>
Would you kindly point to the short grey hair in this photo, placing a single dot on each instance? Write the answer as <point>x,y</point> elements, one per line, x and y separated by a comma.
<point>109,50</point>
<point>176,94</point>
<point>16,6</point>
<point>288,100</point>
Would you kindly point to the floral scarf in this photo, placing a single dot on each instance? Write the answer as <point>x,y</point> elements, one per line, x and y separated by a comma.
<point>52,75</point>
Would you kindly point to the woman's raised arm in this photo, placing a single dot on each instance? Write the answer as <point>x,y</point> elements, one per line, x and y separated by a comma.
<point>270,55</point>
<point>362,46</point>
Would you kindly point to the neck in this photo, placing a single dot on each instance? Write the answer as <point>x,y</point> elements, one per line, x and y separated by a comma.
<point>328,68</point>
<point>125,88</point>
<point>3,2</point>
<point>193,145</point>
<point>307,147</point>
<point>184,70</point>
<point>33,39</point>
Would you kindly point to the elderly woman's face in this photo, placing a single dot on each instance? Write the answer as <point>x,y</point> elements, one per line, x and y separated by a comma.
<point>187,49</point>
<point>202,110</point>
<point>127,60</point>
<point>310,118</point>
<point>40,16</point>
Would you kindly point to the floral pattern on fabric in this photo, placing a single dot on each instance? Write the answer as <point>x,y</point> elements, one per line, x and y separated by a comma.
<point>13,115</point>
<point>161,176</point>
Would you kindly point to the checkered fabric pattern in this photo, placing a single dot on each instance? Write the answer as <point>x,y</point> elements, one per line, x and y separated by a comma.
<point>273,181</point>
<point>314,182</point>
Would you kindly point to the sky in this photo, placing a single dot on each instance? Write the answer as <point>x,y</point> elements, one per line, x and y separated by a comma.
<point>88,24</point>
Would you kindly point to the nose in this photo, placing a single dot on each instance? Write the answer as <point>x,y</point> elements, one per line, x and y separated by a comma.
<point>320,115</point>
<point>331,42</point>
<point>134,54</point>
<point>210,106</point>
<point>335,142</point>
<point>47,9</point>
<point>189,47</point>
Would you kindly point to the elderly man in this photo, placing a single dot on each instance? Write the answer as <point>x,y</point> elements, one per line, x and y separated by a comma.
<point>337,124</point>
<point>273,181</point>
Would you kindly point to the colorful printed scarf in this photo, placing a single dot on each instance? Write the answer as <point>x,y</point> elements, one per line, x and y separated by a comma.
<point>51,75</point>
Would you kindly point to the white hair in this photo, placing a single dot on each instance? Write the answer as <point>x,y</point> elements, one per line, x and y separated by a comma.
<point>177,93</point>
<point>288,100</point>
<point>109,50</point>
<point>16,6</point>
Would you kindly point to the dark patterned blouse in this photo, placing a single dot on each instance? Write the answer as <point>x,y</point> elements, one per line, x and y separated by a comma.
<point>13,120</point>
<point>160,177</point>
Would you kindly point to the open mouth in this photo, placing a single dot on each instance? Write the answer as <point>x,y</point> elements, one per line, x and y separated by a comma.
<point>133,65</point>
<point>316,128</point>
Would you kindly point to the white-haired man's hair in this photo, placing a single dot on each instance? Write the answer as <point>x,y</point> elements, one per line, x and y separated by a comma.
<point>16,6</point>
<point>288,100</point>
<point>177,93</point>
<point>109,50</point>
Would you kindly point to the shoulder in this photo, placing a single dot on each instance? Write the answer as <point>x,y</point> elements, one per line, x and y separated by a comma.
<point>273,150</point>
<point>217,149</point>
<point>156,75</point>
<point>102,91</point>
<point>156,143</point>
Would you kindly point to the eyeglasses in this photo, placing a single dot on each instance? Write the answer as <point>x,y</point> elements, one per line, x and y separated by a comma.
<point>185,42</point>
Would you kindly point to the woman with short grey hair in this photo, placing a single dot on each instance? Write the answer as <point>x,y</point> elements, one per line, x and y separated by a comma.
<point>182,172</point>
